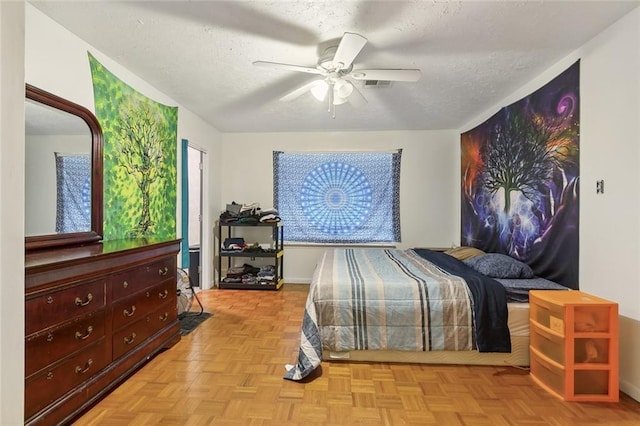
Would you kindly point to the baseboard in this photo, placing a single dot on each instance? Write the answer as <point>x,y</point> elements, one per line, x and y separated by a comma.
<point>630,389</point>
<point>294,280</point>
<point>628,355</point>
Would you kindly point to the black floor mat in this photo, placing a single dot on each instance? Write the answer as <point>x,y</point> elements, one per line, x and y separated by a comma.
<point>191,320</point>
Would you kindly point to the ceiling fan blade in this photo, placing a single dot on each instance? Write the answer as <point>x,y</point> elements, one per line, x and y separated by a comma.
<point>387,75</point>
<point>357,99</point>
<point>299,91</point>
<point>276,65</point>
<point>350,45</point>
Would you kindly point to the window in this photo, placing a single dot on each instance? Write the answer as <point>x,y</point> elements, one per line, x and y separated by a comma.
<point>340,197</point>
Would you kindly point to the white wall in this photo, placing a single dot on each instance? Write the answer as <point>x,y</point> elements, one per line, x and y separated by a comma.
<point>209,141</point>
<point>428,191</point>
<point>194,196</point>
<point>57,61</point>
<point>11,212</point>
<point>609,150</point>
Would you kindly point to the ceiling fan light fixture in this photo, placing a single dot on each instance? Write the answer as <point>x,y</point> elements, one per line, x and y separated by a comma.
<point>335,66</point>
<point>319,90</point>
<point>343,89</point>
<point>338,100</point>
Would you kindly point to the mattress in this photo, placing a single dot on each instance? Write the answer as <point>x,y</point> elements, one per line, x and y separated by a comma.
<point>518,323</point>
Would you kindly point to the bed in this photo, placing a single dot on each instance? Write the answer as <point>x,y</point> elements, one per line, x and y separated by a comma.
<point>419,305</point>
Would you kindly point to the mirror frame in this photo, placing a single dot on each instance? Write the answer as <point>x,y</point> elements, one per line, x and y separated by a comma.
<point>37,242</point>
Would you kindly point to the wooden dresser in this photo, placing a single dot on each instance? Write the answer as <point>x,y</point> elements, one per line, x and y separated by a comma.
<point>94,314</point>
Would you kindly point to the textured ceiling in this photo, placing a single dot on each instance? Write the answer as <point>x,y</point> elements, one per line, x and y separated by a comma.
<point>41,119</point>
<point>472,54</point>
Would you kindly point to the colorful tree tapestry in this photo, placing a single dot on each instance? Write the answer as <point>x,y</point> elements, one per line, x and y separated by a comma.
<point>520,175</point>
<point>140,137</point>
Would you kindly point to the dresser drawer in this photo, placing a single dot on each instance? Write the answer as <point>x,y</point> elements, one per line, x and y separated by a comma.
<point>58,306</point>
<point>140,305</point>
<point>547,373</point>
<point>547,343</point>
<point>137,333</point>
<point>48,347</point>
<point>162,316</point>
<point>547,314</point>
<point>134,280</point>
<point>45,387</point>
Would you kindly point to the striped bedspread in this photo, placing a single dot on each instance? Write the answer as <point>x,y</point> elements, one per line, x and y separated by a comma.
<point>383,299</point>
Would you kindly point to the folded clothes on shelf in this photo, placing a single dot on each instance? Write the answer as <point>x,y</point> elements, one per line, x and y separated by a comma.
<point>249,214</point>
<point>238,271</point>
<point>233,245</point>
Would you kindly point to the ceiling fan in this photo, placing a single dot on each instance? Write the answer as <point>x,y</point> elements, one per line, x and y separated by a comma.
<point>335,67</point>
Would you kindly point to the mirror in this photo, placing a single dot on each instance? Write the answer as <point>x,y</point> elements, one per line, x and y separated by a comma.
<point>63,172</point>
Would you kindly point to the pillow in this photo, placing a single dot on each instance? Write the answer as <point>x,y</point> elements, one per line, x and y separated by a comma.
<point>498,265</point>
<point>462,253</point>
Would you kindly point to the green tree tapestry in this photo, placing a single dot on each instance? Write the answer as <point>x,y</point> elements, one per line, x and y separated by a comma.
<point>140,137</point>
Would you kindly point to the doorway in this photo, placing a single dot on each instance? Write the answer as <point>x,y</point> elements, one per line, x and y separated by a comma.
<point>195,163</point>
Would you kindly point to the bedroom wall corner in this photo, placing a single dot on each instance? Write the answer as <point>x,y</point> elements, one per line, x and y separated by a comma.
<point>209,141</point>
<point>629,350</point>
<point>609,150</point>
<point>67,74</point>
<point>428,188</point>
<point>609,222</point>
<point>12,39</point>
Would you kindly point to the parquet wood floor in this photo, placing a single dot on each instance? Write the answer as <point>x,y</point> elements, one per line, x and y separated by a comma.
<point>229,372</point>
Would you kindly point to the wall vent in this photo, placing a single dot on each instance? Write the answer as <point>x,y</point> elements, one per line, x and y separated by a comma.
<point>377,83</point>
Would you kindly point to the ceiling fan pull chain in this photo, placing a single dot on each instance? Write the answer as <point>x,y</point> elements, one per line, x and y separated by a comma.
<point>332,107</point>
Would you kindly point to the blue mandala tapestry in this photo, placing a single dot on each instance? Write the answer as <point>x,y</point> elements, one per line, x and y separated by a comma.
<point>73,205</point>
<point>340,197</point>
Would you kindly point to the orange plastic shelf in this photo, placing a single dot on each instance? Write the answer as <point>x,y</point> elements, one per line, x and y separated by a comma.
<point>574,345</point>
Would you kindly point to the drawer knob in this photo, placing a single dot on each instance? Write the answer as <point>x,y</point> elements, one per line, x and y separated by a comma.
<point>125,284</point>
<point>163,271</point>
<point>128,313</point>
<point>50,375</point>
<point>164,294</point>
<point>87,366</point>
<point>49,300</point>
<point>80,336</point>
<point>164,317</point>
<point>49,337</point>
<point>129,340</point>
<point>80,302</point>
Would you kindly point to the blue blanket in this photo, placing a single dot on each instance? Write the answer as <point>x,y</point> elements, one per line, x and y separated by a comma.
<point>490,302</point>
